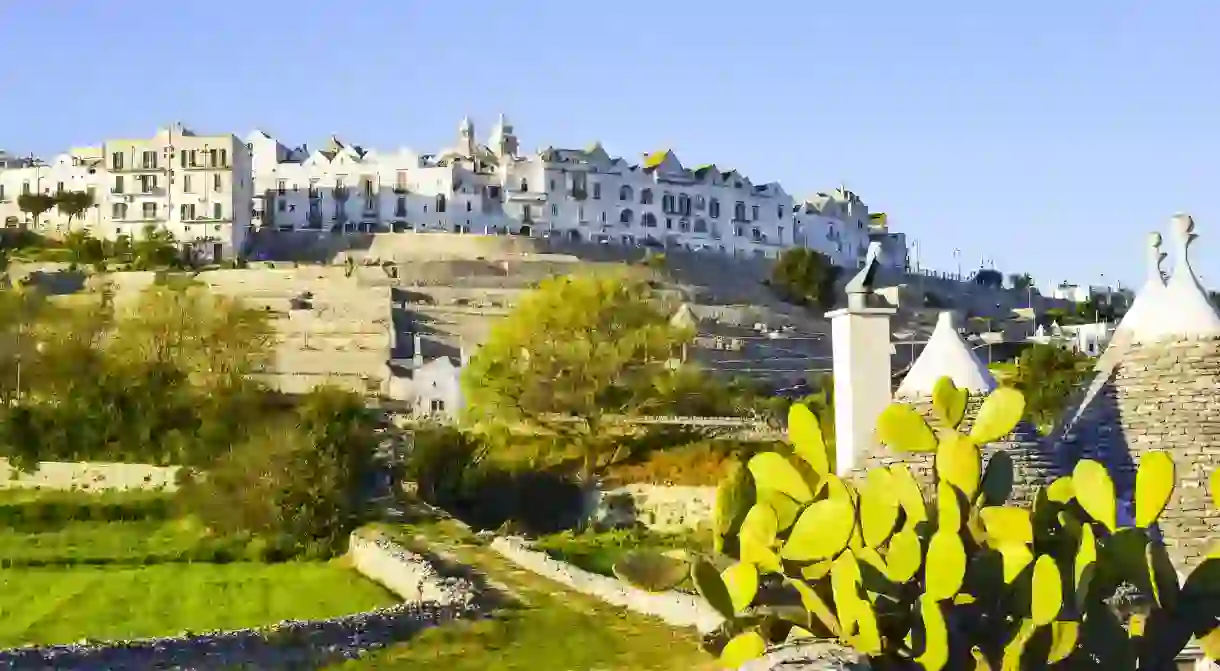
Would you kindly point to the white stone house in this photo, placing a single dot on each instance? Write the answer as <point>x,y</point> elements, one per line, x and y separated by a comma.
<point>77,170</point>
<point>430,388</point>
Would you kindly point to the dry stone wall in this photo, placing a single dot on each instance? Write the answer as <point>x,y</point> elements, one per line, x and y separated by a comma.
<point>287,645</point>
<point>657,507</point>
<point>1160,397</point>
<point>89,476</point>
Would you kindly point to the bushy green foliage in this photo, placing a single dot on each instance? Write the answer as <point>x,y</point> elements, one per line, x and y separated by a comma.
<point>576,353</point>
<point>964,581</point>
<point>805,277</point>
<point>297,483</point>
<point>1047,375</point>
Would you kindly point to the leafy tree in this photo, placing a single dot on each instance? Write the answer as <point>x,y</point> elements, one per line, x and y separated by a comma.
<point>35,204</point>
<point>73,204</point>
<point>576,352</point>
<point>1048,375</point>
<point>84,247</point>
<point>804,276</point>
<point>156,249</point>
<point>1020,281</point>
<point>988,277</point>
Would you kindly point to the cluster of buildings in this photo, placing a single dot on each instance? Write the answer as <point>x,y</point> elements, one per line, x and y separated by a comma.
<point>212,191</point>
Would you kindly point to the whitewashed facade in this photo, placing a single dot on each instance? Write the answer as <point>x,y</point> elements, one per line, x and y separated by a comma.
<point>211,191</point>
<point>571,194</point>
<point>199,188</point>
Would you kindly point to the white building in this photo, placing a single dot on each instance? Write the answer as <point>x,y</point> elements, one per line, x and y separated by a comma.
<point>210,190</point>
<point>571,194</point>
<point>199,188</point>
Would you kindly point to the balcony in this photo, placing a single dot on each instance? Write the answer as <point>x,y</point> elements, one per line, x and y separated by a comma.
<point>152,192</point>
<point>341,193</point>
<point>526,196</point>
<point>578,194</point>
<point>400,190</point>
<point>208,165</point>
<point>153,167</point>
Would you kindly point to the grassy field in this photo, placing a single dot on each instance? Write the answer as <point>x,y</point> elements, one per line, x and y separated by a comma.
<point>544,626</point>
<point>597,552</point>
<point>70,574</point>
<point>59,605</point>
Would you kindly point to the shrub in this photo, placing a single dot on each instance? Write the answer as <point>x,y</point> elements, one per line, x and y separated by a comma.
<point>299,485</point>
<point>440,461</point>
<point>964,583</point>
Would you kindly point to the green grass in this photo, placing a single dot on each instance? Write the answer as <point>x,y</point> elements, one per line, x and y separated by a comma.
<point>96,542</point>
<point>545,627</point>
<point>597,552</point>
<point>60,605</point>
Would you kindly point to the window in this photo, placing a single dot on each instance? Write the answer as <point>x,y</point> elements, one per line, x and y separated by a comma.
<point>580,214</point>
<point>645,196</point>
<point>282,187</point>
<point>366,186</point>
<point>224,158</point>
<point>440,203</point>
<point>1,193</point>
<point>552,185</point>
<point>218,211</point>
<point>148,160</point>
<point>684,204</point>
<point>684,225</point>
<point>754,213</point>
<point>281,205</point>
<point>713,208</point>
<point>648,220</point>
<point>779,211</point>
<point>700,203</point>
<point>669,223</point>
<point>554,210</point>
<point>625,216</point>
<point>700,226</point>
<point>182,158</point>
<point>217,182</point>
<point>150,210</point>
<point>737,231</point>
<point>400,207</point>
<point>667,202</point>
<point>755,234</point>
<point>59,187</point>
<point>119,211</point>
<point>118,185</point>
<point>597,191</point>
<point>438,405</point>
<point>526,213</point>
<point>116,160</point>
<point>525,186</point>
<point>624,192</point>
<point>212,158</point>
<point>148,183</point>
<point>603,215</point>
<point>187,212</point>
<point>400,180</point>
<point>186,184</point>
<point>468,206</point>
<point>739,211</point>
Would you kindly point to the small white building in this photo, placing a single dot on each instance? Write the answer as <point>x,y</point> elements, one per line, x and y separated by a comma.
<point>432,388</point>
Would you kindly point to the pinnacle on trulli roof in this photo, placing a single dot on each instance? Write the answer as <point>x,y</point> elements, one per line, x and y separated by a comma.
<point>946,354</point>
<point>1150,295</point>
<point>1181,310</point>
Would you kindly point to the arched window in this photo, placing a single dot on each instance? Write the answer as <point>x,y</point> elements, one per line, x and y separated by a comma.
<point>624,192</point>
<point>440,203</point>
<point>739,211</point>
<point>625,216</point>
<point>648,220</point>
<point>713,208</point>
<point>667,202</point>
<point>700,226</point>
<point>645,196</point>
<point>683,204</point>
<point>700,203</point>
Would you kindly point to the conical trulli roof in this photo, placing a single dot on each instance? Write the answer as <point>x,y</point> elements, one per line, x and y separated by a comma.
<point>1157,388</point>
<point>947,355</point>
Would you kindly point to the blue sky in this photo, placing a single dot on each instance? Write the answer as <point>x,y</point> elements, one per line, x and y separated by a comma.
<point>1050,137</point>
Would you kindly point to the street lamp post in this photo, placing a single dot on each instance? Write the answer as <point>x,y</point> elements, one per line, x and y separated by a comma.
<point>957,256</point>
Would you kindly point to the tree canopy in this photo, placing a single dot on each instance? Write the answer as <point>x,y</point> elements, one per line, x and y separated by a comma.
<point>577,352</point>
<point>805,277</point>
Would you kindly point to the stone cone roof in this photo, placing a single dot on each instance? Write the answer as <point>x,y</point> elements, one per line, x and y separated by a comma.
<point>945,355</point>
<point>1034,464</point>
<point>1156,388</point>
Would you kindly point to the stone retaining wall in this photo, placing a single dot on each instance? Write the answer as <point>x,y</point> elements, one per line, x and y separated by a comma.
<point>657,507</point>
<point>286,645</point>
<point>674,608</point>
<point>91,476</point>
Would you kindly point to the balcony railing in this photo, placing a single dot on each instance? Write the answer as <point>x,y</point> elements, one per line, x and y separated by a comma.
<point>208,165</point>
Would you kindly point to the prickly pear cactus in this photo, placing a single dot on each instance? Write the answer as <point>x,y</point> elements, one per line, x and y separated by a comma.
<point>961,581</point>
